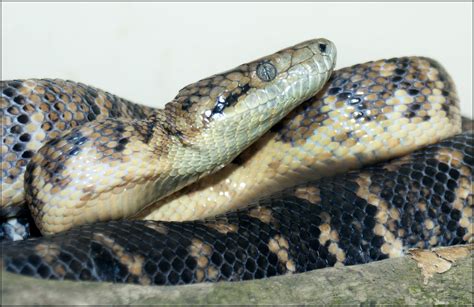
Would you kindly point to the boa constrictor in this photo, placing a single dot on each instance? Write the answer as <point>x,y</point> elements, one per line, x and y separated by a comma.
<point>365,113</point>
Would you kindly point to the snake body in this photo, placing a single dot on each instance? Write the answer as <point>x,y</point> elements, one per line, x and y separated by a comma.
<point>110,168</point>
<point>420,200</point>
<point>365,113</point>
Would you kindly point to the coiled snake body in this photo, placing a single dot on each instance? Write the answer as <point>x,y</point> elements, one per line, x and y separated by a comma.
<point>364,114</point>
<point>421,200</point>
<point>112,167</point>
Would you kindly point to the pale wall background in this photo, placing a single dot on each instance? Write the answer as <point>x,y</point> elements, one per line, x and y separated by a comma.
<point>147,51</point>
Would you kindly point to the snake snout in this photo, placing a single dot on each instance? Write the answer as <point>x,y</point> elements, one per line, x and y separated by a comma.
<point>328,53</point>
<point>323,50</point>
<point>323,46</point>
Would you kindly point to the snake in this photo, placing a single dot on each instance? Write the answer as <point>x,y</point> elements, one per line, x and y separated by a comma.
<point>110,168</point>
<point>402,109</point>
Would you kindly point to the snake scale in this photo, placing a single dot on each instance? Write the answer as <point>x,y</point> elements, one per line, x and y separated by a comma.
<point>365,113</point>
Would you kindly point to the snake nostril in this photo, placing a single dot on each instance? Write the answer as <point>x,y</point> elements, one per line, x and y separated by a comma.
<point>322,47</point>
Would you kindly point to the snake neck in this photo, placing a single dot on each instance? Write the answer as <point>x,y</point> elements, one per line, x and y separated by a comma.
<point>213,144</point>
<point>219,141</point>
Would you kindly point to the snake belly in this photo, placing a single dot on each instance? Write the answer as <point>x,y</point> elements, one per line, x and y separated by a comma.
<point>366,113</point>
<point>423,200</point>
<point>110,168</point>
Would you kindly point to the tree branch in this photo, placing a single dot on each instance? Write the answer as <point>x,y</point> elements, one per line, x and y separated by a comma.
<point>392,281</point>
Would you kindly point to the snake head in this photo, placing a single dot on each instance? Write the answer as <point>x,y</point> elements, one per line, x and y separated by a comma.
<point>252,97</point>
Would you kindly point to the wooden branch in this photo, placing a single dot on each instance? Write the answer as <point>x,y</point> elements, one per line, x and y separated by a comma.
<point>392,281</point>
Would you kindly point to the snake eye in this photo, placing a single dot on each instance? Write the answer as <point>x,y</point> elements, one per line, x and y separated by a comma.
<point>266,71</point>
<point>322,47</point>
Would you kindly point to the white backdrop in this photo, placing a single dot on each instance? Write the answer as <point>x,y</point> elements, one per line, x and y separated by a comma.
<point>147,51</point>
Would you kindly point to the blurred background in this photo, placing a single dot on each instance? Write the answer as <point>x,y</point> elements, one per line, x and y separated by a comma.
<point>146,52</point>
